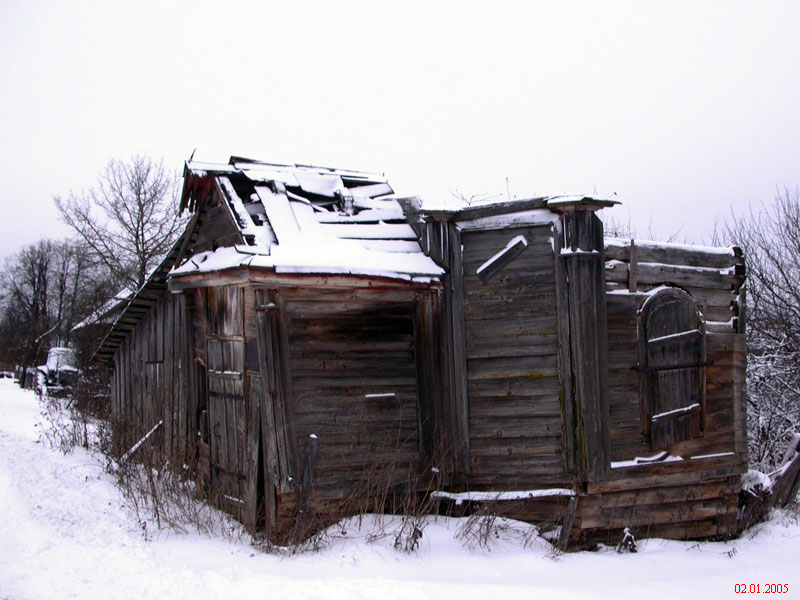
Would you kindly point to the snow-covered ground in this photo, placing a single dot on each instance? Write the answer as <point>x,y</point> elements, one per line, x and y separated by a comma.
<point>66,534</point>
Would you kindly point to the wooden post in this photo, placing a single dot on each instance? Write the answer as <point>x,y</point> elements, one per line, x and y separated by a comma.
<point>568,410</point>
<point>633,270</point>
<point>583,254</point>
<point>305,486</point>
<point>459,346</point>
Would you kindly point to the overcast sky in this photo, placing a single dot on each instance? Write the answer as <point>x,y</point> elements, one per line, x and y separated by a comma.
<point>681,109</point>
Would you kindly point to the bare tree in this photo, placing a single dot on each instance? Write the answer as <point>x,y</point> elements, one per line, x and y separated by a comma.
<point>26,316</point>
<point>129,219</point>
<point>45,290</point>
<point>770,238</point>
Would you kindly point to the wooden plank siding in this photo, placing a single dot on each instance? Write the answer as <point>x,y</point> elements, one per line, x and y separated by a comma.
<point>695,497</point>
<point>354,385</point>
<point>512,361</point>
<point>723,427</point>
<point>147,382</point>
<point>478,382</point>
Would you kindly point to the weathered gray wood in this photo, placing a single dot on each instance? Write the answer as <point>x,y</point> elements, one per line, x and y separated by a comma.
<point>269,390</point>
<point>336,391</point>
<point>673,255</point>
<point>429,415</point>
<point>633,270</point>
<point>567,523</point>
<point>672,334</point>
<point>568,409</point>
<point>458,353</point>
<point>588,338</point>
<point>653,273</point>
<point>491,266</point>
<point>306,486</point>
<point>284,418</point>
<point>511,333</point>
<point>253,455</point>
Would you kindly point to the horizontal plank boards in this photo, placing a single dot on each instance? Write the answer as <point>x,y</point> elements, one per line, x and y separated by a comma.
<point>534,279</point>
<point>499,388</point>
<point>671,513</point>
<point>533,368</point>
<point>518,427</point>
<point>672,255</point>
<point>495,409</point>
<point>490,468</point>
<point>511,346</point>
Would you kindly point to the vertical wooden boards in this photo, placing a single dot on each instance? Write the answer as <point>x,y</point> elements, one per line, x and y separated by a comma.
<point>254,492</point>
<point>215,227</point>
<point>511,355</point>
<point>149,380</point>
<point>428,377</point>
<point>285,415</point>
<point>567,397</point>
<point>227,401</point>
<point>583,255</point>
<point>442,242</point>
<point>277,412</point>
<point>458,354</point>
<point>268,387</point>
<point>672,367</point>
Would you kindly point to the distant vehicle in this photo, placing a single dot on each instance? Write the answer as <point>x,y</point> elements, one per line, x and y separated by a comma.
<point>6,375</point>
<point>60,373</point>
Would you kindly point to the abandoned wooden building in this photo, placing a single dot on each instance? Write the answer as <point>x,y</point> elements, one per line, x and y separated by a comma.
<point>322,345</point>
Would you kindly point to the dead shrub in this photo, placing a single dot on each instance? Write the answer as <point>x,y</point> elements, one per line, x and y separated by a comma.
<point>161,494</point>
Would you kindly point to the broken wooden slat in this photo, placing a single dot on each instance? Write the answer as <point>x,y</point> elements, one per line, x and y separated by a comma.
<point>512,250</point>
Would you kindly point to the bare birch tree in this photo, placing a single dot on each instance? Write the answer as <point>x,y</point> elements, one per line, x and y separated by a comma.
<point>129,219</point>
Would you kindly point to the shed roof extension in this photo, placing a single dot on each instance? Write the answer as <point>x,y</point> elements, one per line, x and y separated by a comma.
<point>304,219</point>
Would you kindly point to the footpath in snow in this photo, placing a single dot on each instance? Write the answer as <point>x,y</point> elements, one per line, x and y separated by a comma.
<point>67,534</point>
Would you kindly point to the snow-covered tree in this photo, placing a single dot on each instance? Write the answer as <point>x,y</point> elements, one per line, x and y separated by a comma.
<point>770,238</point>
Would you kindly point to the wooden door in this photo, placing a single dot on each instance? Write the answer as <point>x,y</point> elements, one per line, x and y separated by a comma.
<point>674,367</point>
<point>227,420</point>
<point>227,406</point>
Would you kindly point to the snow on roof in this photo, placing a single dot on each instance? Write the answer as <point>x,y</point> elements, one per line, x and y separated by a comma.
<point>626,242</point>
<point>303,219</point>
<point>502,212</point>
<point>105,314</point>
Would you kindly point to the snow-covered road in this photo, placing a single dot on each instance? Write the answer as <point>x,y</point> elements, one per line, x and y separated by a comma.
<point>66,534</point>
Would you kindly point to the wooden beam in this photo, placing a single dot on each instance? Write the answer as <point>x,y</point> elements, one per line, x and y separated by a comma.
<point>503,258</point>
<point>585,263</point>
<point>674,254</point>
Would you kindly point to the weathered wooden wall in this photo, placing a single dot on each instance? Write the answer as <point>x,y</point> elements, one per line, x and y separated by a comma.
<point>719,303</point>
<point>512,360</point>
<point>473,378</point>
<point>276,365</point>
<point>697,495</point>
<point>149,382</point>
<point>354,386</point>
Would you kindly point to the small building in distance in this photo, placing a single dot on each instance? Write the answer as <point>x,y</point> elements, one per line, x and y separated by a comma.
<point>317,346</point>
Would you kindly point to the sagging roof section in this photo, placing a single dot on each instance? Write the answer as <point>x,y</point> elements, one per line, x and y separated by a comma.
<point>138,305</point>
<point>303,219</point>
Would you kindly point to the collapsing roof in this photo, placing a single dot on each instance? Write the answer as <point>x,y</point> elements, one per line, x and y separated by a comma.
<point>302,219</point>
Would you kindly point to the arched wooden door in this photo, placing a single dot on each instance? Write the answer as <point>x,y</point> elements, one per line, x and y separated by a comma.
<point>672,365</point>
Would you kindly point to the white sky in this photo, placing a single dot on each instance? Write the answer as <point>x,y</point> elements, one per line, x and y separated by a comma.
<point>683,109</point>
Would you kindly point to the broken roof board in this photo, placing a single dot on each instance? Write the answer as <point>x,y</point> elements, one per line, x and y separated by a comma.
<point>303,232</point>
